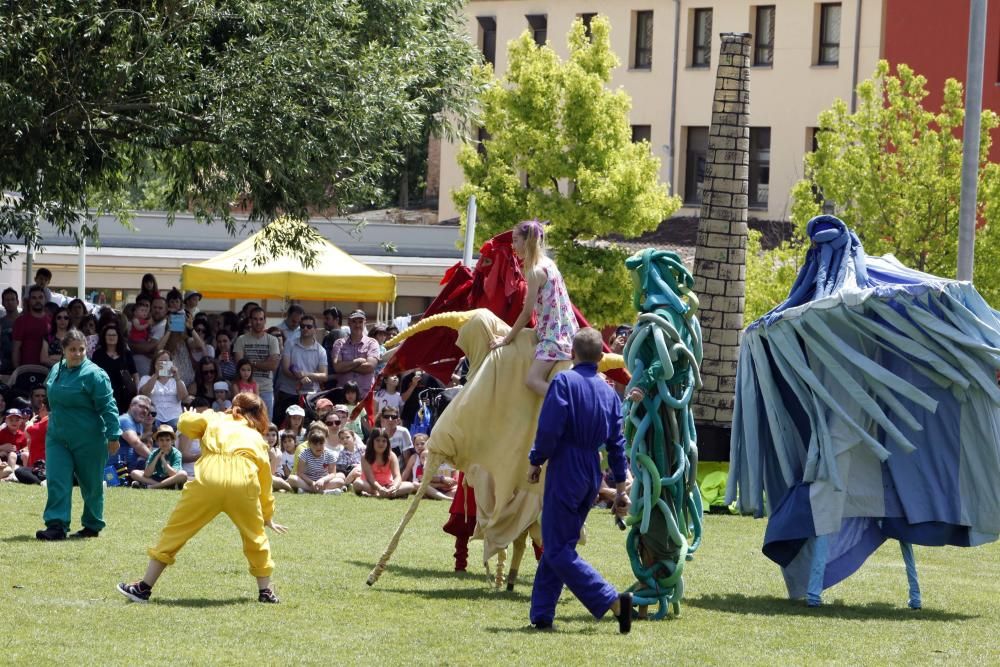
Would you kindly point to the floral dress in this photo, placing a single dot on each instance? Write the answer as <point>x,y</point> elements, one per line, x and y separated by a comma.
<point>555,323</point>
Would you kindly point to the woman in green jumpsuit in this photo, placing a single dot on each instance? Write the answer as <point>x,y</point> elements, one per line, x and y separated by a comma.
<point>83,430</point>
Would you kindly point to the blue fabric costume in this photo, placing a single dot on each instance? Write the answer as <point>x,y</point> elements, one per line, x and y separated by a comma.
<point>580,414</point>
<point>867,409</point>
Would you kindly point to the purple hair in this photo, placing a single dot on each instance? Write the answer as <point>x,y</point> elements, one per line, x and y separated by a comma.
<point>531,228</point>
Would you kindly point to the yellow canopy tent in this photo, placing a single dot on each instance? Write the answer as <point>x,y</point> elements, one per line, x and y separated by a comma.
<point>335,276</point>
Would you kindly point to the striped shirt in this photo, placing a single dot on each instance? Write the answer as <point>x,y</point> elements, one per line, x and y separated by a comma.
<point>315,467</point>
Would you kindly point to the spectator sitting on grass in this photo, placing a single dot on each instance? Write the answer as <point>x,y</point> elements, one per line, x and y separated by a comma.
<point>380,476</point>
<point>282,456</point>
<point>399,436</point>
<point>294,416</point>
<point>132,451</point>
<point>442,486</point>
<point>164,468</point>
<point>348,458</point>
<point>316,467</point>
<point>13,442</point>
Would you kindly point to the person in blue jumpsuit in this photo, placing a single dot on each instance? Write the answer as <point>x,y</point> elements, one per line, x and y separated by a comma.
<point>581,413</point>
<point>83,431</point>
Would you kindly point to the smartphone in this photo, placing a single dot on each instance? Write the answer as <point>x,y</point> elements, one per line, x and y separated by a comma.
<point>177,322</point>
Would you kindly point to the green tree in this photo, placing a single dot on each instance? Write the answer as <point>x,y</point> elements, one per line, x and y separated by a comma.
<point>289,107</point>
<point>892,172</point>
<point>770,273</point>
<point>560,149</point>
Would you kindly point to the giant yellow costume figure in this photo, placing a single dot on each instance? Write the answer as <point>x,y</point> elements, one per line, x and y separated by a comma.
<point>233,475</point>
<point>487,431</point>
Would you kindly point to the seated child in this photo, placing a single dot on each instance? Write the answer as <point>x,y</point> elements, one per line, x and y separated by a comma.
<point>221,391</point>
<point>442,486</point>
<point>163,467</point>
<point>316,467</point>
<point>348,458</point>
<point>279,470</point>
<point>380,470</point>
<point>13,443</point>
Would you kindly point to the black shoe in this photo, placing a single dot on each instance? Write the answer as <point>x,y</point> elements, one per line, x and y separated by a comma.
<point>267,595</point>
<point>624,613</point>
<point>137,592</point>
<point>543,626</point>
<point>85,532</point>
<point>51,534</point>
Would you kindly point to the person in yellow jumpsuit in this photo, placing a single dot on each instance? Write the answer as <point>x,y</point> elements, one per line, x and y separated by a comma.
<point>233,475</point>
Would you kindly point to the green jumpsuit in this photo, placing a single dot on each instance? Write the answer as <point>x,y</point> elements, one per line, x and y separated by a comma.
<point>83,419</point>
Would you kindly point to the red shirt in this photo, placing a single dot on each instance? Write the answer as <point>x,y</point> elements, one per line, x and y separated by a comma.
<point>16,438</point>
<point>32,332</point>
<point>36,440</point>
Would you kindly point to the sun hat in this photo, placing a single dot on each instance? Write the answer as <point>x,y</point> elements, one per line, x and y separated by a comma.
<point>295,411</point>
<point>165,428</point>
<point>220,386</point>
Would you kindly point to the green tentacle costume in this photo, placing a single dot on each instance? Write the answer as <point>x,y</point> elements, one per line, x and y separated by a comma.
<point>663,354</point>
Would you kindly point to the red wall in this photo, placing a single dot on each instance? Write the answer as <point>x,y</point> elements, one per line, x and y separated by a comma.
<point>932,37</point>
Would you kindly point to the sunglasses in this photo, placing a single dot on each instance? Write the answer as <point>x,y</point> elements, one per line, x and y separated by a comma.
<point>152,413</point>
<point>390,416</point>
<point>333,422</point>
<point>308,326</point>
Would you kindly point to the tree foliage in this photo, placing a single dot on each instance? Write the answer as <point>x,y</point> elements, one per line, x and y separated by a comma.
<point>770,273</point>
<point>288,107</point>
<point>892,170</point>
<point>560,149</point>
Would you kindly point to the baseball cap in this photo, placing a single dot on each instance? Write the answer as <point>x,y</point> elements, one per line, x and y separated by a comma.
<point>295,411</point>
<point>324,403</point>
<point>165,428</point>
<point>220,386</point>
<point>357,314</point>
<point>379,328</point>
<point>623,330</point>
<point>190,293</point>
<point>340,407</point>
<point>13,411</point>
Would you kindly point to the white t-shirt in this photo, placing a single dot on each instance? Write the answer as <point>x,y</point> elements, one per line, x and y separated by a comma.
<point>401,439</point>
<point>164,399</point>
<point>385,399</point>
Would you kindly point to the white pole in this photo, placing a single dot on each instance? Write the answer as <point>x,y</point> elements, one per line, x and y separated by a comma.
<point>29,276</point>
<point>81,270</point>
<point>970,139</point>
<point>470,231</point>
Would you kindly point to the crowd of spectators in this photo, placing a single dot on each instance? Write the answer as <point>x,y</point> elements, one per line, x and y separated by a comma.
<point>164,354</point>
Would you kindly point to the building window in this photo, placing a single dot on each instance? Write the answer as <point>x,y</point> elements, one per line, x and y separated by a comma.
<point>587,18</point>
<point>829,34</point>
<point>694,166</point>
<point>760,166</point>
<point>642,133</point>
<point>488,38</point>
<point>701,38</point>
<point>763,35</point>
<point>643,42</point>
<point>539,24</point>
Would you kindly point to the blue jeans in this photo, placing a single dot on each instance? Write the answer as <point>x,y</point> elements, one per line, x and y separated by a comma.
<point>268,398</point>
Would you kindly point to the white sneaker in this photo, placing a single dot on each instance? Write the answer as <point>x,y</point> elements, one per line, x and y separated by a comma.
<point>333,492</point>
<point>300,490</point>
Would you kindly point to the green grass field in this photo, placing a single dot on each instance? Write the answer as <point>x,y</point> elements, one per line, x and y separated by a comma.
<point>60,606</point>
